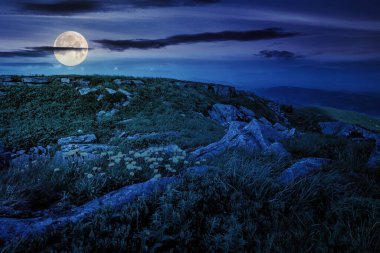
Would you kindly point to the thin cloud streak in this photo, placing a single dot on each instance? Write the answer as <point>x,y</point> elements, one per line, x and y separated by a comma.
<point>253,35</point>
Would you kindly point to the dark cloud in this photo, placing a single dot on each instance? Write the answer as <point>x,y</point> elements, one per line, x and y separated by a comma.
<point>26,64</point>
<point>35,51</point>
<point>62,7</point>
<point>266,34</point>
<point>68,7</point>
<point>278,54</point>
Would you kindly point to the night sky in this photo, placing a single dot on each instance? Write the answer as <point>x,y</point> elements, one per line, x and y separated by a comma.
<point>331,44</point>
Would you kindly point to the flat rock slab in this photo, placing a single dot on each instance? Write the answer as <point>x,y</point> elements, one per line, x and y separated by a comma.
<point>302,168</point>
<point>13,227</point>
<point>87,138</point>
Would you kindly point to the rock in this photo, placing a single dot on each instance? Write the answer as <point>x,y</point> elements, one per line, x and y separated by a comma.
<point>111,91</point>
<point>169,134</point>
<point>3,93</point>
<point>65,80</point>
<point>83,83</point>
<point>100,97</point>
<point>278,150</point>
<point>265,121</point>
<point>85,91</point>
<point>87,138</point>
<point>106,114</point>
<point>35,80</point>
<point>301,169</point>
<point>225,114</point>
<point>254,136</point>
<point>374,159</point>
<point>86,147</point>
<point>22,228</point>
<point>279,127</point>
<point>347,130</point>
<point>137,82</point>
<point>126,93</point>
<point>117,82</point>
<point>249,114</point>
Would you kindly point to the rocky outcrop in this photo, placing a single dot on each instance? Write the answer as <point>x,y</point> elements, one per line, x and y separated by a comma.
<point>127,82</point>
<point>225,114</point>
<point>35,80</point>
<point>347,130</point>
<point>106,114</point>
<point>301,168</point>
<point>254,136</point>
<point>65,80</point>
<point>14,227</point>
<point>85,91</point>
<point>86,148</point>
<point>221,90</point>
<point>87,138</point>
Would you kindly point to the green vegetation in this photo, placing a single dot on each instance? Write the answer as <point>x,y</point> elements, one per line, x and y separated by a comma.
<point>238,207</point>
<point>307,118</point>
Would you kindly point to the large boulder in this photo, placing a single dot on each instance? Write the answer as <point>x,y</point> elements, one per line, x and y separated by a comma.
<point>65,80</point>
<point>254,136</point>
<point>87,138</point>
<point>225,114</point>
<point>301,169</point>
<point>85,91</point>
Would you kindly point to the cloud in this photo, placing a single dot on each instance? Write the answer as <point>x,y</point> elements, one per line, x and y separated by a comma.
<point>69,7</point>
<point>35,51</point>
<point>277,54</point>
<point>62,7</point>
<point>253,35</point>
<point>26,64</point>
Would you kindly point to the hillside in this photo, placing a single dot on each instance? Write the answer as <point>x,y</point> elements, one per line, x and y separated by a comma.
<point>368,103</point>
<point>113,163</point>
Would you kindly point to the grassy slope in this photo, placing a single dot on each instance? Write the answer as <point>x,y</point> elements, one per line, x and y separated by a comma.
<point>237,208</point>
<point>308,117</point>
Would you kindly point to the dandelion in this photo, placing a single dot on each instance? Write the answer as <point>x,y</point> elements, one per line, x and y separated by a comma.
<point>155,171</point>
<point>102,174</point>
<point>111,164</point>
<point>151,166</point>
<point>185,162</point>
<point>197,163</point>
<point>130,167</point>
<point>157,176</point>
<point>89,175</point>
<point>57,169</point>
<point>117,160</point>
<point>131,152</point>
<point>132,173</point>
<point>103,154</point>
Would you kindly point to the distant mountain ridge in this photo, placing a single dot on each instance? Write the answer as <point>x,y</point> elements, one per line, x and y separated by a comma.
<point>368,103</point>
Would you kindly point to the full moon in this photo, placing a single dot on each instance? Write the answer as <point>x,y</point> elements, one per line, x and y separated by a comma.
<point>71,57</point>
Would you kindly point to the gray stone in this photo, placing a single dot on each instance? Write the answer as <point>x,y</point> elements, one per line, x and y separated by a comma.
<point>249,114</point>
<point>111,91</point>
<point>343,129</point>
<point>100,97</point>
<point>87,138</point>
<point>85,91</point>
<point>254,136</point>
<point>83,83</point>
<point>126,93</point>
<point>137,82</point>
<point>65,80</point>
<point>13,227</point>
<point>301,168</point>
<point>106,114</point>
<point>35,80</point>
<point>225,114</point>
<point>86,147</point>
<point>278,150</point>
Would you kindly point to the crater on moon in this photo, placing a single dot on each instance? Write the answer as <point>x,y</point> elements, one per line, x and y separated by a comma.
<point>71,39</point>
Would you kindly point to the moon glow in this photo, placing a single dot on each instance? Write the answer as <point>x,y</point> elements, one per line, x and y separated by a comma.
<point>69,57</point>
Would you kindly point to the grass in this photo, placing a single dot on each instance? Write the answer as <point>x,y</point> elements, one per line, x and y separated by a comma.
<point>237,208</point>
<point>307,118</point>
